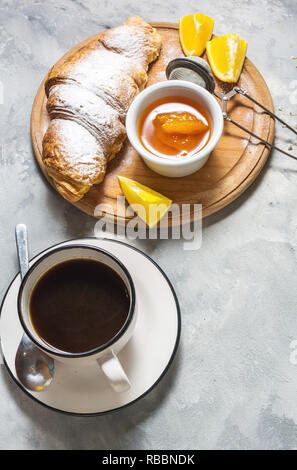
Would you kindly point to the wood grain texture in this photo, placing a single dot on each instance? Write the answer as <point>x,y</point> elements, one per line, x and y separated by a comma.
<point>232,167</point>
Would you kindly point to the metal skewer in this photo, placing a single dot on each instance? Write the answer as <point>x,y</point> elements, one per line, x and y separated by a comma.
<point>197,70</point>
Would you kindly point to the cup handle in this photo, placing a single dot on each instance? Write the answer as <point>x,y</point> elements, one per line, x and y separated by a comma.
<point>113,370</point>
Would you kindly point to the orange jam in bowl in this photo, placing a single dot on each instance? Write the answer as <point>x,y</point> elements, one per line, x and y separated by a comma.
<point>174,127</point>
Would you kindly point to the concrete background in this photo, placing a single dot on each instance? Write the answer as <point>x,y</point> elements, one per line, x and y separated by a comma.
<point>232,385</point>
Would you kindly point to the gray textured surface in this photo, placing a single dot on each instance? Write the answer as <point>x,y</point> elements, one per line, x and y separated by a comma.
<point>232,384</point>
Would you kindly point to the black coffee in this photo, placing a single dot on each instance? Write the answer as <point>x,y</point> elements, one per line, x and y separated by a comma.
<point>79,305</point>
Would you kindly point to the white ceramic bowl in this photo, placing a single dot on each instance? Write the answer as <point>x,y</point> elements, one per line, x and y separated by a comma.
<point>173,166</point>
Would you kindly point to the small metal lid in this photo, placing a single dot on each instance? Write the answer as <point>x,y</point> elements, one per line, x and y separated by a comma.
<point>193,69</point>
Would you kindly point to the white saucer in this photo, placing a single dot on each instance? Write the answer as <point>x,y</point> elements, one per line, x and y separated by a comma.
<point>146,358</point>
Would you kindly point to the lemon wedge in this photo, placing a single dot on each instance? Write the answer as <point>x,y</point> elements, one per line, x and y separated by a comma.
<point>226,56</point>
<point>147,203</point>
<point>194,32</point>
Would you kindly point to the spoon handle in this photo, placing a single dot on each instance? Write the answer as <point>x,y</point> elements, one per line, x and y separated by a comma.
<point>22,247</point>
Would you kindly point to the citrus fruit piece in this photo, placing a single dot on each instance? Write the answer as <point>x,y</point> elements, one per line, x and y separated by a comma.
<point>194,32</point>
<point>240,57</point>
<point>226,56</point>
<point>180,123</point>
<point>148,204</point>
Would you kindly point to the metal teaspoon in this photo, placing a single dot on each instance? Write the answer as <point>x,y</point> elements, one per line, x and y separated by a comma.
<point>34,369</point>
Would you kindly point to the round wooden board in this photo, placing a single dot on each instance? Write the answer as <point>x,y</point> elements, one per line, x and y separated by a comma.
<point>231,168</point>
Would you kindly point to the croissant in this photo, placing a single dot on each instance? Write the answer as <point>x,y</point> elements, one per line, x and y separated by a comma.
<point>88,97</point>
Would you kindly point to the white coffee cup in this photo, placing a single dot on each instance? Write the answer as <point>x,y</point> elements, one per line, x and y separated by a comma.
<point>105,355</point>
<point>173,166</point>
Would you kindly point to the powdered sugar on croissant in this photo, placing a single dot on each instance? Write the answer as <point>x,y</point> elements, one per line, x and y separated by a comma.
<point>88,98</point>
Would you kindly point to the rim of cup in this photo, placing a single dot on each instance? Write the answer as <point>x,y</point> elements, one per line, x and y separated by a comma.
<point>36,339</point>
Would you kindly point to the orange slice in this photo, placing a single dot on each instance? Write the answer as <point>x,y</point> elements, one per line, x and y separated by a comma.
<point>150,205</point>
<point>180,123</point>
<point>194,32</point>
<point>226,56</point>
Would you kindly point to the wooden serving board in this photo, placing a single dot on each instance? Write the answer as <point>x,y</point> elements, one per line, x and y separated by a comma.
<point>231,168</point>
